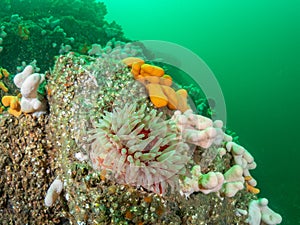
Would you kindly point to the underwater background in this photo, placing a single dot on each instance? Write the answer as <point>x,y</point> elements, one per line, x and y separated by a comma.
<point>253,49</point>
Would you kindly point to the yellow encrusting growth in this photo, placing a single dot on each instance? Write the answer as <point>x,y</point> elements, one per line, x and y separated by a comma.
<point>249,187</point>
<point>130,60</point>
<point>13,102</point>
<point>152,79</point>
<point>166,80</point>
<point>252,189</point>
<point>3,73</point>
<point>136,68</point>
<point>152,70</point>
<point>172,97</point>
<point>3,87</point>
<point>157,96</point>
<point>158,84</point>
<point>182,100</point>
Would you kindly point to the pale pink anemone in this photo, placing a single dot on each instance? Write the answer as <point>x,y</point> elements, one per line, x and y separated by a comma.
<point>139,148</point>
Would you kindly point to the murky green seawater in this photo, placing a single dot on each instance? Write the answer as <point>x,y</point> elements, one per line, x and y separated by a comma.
<point>253,48</point>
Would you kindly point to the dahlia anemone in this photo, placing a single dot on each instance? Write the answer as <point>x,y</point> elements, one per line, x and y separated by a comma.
<point>139,148</point>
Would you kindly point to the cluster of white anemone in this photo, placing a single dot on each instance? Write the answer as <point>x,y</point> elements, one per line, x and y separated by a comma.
<point>139,148</point>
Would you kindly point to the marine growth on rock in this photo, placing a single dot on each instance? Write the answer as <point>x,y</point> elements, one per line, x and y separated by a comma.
<point>139,148</point>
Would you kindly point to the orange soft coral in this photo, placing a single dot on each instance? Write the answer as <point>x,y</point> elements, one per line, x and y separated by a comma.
<point>157,96</point>
<point>3,72</point>
<point>158,84</point>
<point>129,61</point>
<point>147,69</point>
<point>249,187</point>
<point>13,102</point>
<point>3,87</point>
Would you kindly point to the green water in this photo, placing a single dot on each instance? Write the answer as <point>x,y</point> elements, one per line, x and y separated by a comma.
<point>253,48</point>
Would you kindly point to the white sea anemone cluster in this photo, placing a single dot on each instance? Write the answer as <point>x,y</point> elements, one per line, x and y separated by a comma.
<point>53,192</point>
<point>138,148</point>
<point>117,50</point>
